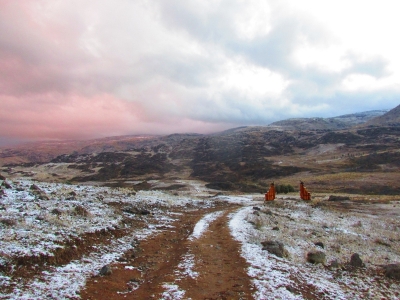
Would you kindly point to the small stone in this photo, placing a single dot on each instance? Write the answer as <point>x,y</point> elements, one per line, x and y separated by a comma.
<point>105,270</point>
<point>317,257</point>
<point>6,185</point>
<point>338,198</point>
<point>392,271</point>
<point>319,244</point>
<point>334,264</point>
<point>291,289</point>
<point>356,261</point>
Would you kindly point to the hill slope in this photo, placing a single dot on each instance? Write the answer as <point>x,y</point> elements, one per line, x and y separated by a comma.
<point>335,123</point>
<point>391,118</point>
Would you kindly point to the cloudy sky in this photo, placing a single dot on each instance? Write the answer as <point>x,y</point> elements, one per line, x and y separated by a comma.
<point>73,69</point>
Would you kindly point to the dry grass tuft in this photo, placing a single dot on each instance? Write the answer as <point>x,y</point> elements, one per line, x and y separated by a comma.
<point>81,211</point>
<point>8,222</point>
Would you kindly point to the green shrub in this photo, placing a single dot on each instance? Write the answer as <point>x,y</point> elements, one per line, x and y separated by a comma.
<point>284,188</point>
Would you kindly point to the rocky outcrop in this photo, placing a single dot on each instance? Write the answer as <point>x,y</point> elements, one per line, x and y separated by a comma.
<point>275,247</point>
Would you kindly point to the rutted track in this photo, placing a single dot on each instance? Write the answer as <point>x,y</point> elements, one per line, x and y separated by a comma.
<point>156,269</point>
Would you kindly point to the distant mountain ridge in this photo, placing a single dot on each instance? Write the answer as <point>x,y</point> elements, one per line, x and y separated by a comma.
<point>45,151</point>
<point>245,159</point>
<point>334,123</point>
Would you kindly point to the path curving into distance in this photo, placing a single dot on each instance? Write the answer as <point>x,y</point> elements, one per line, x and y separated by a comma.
<point>197,258</point>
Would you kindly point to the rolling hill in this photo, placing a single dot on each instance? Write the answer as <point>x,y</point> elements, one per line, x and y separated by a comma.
<point>362,158</point>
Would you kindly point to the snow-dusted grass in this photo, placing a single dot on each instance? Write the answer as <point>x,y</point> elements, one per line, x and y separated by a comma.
<point>299,227</point>
<point>31,226</point>
<point>41,226</point>
<point>65,282</point>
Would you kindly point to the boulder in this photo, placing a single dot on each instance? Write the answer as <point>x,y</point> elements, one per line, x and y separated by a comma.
<point>38,192</point>
<point>34,187</point>
<point>392,271</point>
<point>356,261</point>
<point>105,270</point>
<point>6,185</point>
<point>275,247</point>
<point>136,211</point>
<point>316,257</point>
<point>338,198</point>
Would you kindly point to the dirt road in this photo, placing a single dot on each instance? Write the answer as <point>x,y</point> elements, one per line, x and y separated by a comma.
<point>175,264</point>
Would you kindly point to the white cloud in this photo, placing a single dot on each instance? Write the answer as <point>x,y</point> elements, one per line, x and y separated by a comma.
<point>250,81</point>
<point>254,20</point>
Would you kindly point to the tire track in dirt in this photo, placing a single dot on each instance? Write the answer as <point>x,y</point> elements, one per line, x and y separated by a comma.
<point>156,262</point>
<point>221,270</point>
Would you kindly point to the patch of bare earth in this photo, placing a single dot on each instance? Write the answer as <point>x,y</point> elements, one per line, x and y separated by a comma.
<point>220,271</point>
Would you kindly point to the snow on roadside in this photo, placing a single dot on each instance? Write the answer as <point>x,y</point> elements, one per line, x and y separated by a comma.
<point>39,226</point>
<point>31,226</point>
<point>270,283</point>
<point>65,282</point>
<point>277,278</point>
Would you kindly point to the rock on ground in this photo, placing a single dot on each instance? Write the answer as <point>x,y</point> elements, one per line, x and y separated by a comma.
<point>356,261</point>
<point>392,271</point>
<point>275,247</point>
<point>316,257</point>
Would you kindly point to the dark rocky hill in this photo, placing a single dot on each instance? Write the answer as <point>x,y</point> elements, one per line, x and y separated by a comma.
<point>245,159</point>
<point>391,118</point>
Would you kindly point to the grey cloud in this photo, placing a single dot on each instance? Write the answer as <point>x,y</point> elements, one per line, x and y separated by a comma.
<point>376,66</point>
<point>169,57</point>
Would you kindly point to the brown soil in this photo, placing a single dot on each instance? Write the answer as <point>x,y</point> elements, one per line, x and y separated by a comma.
<point>221,270</point>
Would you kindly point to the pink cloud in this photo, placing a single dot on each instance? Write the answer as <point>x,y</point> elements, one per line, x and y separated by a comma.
<point>56,116</point>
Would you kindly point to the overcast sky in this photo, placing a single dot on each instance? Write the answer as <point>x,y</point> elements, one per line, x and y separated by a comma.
<point>73,69</point>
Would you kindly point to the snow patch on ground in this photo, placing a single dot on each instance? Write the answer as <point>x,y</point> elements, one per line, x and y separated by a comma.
<point>203,224</point>
<point>300,225</point>
<point>39,226</point>
<point>186,266</point>
<point>172,292</point>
